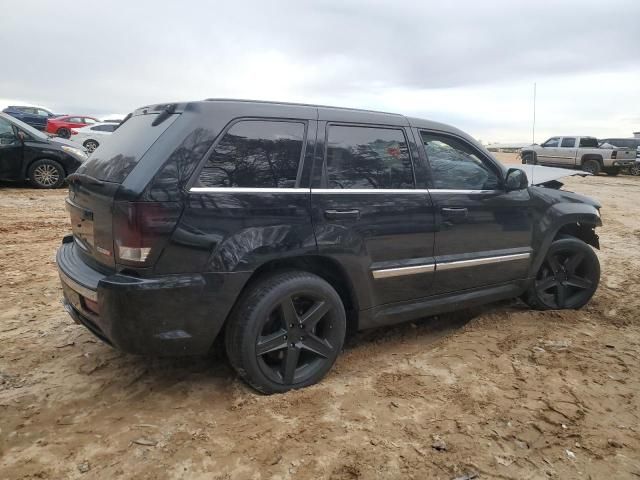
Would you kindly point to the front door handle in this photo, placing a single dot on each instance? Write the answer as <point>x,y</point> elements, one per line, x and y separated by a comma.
<point>342,214</point>
<point>454,212</point>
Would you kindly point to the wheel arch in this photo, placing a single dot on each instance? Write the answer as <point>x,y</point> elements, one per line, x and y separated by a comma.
<point>27,165</point>
<point>575,219</point>
<point>325,267</point>
<point>592,156</point>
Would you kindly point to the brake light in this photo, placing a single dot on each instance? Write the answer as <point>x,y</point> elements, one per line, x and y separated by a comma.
<point>140,229</point>
<point>614,154</point>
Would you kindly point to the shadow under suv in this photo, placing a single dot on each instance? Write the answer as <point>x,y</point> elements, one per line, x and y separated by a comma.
<point>282,226</point>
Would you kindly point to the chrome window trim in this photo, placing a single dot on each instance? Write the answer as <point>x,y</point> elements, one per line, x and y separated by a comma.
<point>474,262</point>
<point>339,191</point>
<point>75,286</point>
<point>401,271</point>
<point>247,190</point>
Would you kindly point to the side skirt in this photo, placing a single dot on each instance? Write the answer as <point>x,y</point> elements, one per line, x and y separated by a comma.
<point>391,314</point>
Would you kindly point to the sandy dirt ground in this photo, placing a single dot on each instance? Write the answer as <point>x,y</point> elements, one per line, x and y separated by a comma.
<point>501,391</point>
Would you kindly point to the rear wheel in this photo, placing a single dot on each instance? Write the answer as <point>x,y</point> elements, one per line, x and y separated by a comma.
<point>591,166</point>
<point>286,332</point>
<point>63,132</point>
<point>568,277</point>
<point>46,173</point>
<point>90,145</point>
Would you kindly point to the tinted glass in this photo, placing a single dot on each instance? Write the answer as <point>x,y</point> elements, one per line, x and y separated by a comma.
<point>457,165</point>
<point>589,142</point>
<point>72,120</point>
<point>363,157</point>
<point>43,113</point>
<point>568,142</point>
<point>552,142</point>
<point>7,135</point>
<point>115,159</point>
<point>103,128</point>
<point>256,154</point>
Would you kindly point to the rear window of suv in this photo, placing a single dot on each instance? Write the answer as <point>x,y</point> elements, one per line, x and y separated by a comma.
<point>113,161</point>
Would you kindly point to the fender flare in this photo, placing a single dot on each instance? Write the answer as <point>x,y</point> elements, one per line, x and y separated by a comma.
<point>558,216</point>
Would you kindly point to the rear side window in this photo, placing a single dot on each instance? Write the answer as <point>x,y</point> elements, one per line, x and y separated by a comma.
<point>568,142</point>
<point>368,157</point>
<point>256,154</point>
<point>456,165</point>
<point>589,142</point>
<point>115,159</point>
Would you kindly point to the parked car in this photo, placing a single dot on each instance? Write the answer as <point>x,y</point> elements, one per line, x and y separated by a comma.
<point>34,116</point>
<point>283,226</point>
<point>29,154</point>
<point>91,136</point>
<point>626,143</point>
<point>62,126</point>
<point>579,152</point>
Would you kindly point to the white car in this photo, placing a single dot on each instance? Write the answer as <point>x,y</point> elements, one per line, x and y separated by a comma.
<point>91,136</point>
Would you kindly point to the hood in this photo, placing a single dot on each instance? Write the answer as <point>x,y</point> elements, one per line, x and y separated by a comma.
<point>69,143</point>
<point>539,175</point>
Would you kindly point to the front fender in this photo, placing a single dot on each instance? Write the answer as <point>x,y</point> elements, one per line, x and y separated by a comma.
<point>555,217</point>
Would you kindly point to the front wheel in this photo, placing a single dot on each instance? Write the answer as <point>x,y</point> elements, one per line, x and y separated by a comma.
<point>91,145</point>
<point>635,169</point>
<point>528,159</point>
<point>46,173</point>
<point>568,277</point>
<point>286,332</point>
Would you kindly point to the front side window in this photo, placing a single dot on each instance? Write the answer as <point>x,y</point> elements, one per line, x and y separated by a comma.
<point>568,142</point>
<point>552,142</point>
<point>89,121</point>
<point>256,154</point>
<point>43,113</point>
<point>368,157</point>
<point>7,136</point>
<point>72,120</point>
<point>456,165</point>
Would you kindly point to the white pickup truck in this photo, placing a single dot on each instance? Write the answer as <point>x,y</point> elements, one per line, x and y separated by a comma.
<point>579,152</point>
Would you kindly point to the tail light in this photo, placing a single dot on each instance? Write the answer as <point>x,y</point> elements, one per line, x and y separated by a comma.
<point>140,230</point>
<point>614,154</point>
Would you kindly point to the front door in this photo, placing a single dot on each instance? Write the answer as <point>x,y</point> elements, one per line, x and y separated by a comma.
<point>550,153</point>
<point>483,233</point>
<point>369,215</point>
<point>568,151</point>
<point>10,152</point>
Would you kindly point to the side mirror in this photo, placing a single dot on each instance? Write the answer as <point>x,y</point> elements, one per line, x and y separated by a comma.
<point>21,135</point>
<point>515,179</point>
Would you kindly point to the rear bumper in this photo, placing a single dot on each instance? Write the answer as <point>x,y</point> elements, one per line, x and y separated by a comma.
<point>164,315</point>
<point>623,162</point>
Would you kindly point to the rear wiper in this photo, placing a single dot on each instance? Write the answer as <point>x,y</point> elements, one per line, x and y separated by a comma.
<point>76,177</point>
<point>166,113</point>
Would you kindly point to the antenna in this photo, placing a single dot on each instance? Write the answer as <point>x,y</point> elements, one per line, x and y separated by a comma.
<point>533,133</point>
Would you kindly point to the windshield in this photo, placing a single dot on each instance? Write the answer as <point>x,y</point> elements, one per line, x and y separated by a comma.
<point>27,128</point>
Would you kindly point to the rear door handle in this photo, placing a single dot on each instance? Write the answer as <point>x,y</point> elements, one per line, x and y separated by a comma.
<point>342,214</point>
<point>454,212</point>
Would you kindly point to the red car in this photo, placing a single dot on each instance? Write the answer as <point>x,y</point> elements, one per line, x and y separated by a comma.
<point>62,126</point>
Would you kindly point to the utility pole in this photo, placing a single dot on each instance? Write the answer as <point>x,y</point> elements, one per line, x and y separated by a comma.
<point>533,134</point>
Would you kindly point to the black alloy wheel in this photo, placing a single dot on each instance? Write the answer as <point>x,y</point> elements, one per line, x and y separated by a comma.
<point>286,332</point>
<point>568,277</point>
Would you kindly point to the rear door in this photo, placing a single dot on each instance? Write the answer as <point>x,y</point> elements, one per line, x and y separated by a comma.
<point>483,235</point>
<point>568,150</point>
<point>367,212</point>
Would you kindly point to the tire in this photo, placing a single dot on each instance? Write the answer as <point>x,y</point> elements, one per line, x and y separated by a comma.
<point>592,166</point>
<point>576,278</point>
<point>63,132</point>
<point>528,159</point>
<point>46,173</point>
<point>635,169</point>
<point>91,145</point>
<point>286,332</point>
<point>613,171</point>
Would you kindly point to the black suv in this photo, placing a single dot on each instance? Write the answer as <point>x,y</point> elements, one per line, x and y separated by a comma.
<point>280,227</point>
